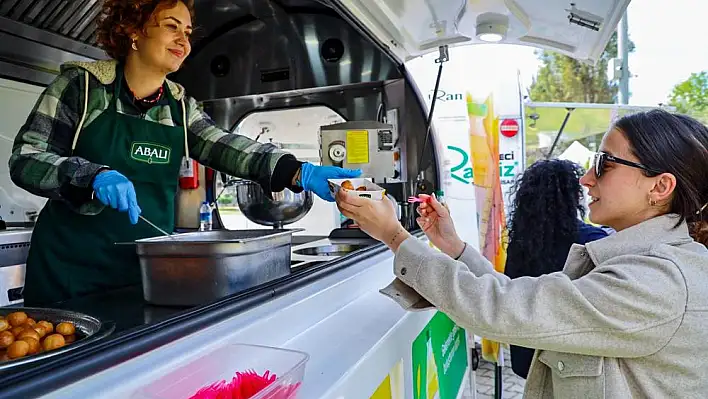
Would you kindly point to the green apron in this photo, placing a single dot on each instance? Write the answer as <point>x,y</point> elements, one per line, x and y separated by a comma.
<point>73,255</point>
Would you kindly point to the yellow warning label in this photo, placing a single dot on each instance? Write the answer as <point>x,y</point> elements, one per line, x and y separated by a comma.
<point>357,146</point>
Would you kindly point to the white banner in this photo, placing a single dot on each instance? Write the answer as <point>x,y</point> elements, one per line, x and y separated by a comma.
<point>462,74</point>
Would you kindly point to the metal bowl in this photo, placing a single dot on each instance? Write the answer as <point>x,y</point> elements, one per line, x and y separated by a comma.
<point>286,206</point>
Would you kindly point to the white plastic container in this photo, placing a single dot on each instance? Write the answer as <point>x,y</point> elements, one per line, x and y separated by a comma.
<point>372,191</point>
<point>222,364</point>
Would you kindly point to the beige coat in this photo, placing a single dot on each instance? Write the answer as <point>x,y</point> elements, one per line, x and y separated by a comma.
<point>626,318</point>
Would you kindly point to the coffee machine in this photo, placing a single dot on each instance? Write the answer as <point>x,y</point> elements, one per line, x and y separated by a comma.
<point>371,146</point>
<point>367,145</point>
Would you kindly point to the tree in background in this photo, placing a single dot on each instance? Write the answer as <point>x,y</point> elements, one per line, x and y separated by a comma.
<point>564,79</point>
<point>690,97</point>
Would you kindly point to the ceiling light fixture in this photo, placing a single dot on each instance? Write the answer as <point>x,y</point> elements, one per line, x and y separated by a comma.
<point>492,27</point>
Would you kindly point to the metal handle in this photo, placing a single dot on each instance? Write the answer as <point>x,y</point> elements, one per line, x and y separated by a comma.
<point>155,227</point>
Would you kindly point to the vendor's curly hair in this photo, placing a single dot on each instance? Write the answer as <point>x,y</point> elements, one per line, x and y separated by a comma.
<point>544,217</point>
<point>119,18</point>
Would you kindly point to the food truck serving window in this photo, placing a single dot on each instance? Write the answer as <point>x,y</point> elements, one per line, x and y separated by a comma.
<point>296,131</point>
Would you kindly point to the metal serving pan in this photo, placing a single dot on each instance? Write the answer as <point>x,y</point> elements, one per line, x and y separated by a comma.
<point>88,329</point>
<point>195,268</point>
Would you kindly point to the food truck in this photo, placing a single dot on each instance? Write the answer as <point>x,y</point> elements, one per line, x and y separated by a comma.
<point>300,74</point>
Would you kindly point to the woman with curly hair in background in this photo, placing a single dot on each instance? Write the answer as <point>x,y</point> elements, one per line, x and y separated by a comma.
<point>546,221</point>
<point>109,137</point>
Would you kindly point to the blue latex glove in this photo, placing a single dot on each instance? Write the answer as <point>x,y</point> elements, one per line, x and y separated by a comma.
<point>116,191</point>
<point>314,178</point>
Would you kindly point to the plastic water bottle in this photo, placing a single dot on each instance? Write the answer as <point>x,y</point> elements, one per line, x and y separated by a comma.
<point>205,217</point>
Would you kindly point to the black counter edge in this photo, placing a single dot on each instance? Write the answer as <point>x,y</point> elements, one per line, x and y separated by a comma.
<point>86,361</point>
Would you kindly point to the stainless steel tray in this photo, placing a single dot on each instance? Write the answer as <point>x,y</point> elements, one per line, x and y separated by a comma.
<point>195,268</point>
<point>88,329</point>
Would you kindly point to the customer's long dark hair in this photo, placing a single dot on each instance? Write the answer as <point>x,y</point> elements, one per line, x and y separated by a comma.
<point>544,217</point>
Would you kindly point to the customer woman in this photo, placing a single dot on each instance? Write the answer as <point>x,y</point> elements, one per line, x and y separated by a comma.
<point>544,224</point>
<point>112,134</point>
<point>627,315</point>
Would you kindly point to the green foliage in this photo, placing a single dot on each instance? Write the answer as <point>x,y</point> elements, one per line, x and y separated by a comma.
<point>226,199</point>
<point>565,79</point>
<point>690,97</point>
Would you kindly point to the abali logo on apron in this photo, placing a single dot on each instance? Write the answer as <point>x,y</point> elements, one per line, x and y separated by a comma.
<point>150,153</point>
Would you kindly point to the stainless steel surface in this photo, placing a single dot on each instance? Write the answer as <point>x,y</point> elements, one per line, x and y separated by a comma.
<point>353,102</point>
<point>88,329</point>
<point>325,250</point>
<point>15,235</point>
<point>39,34</point>
<point>12,281</point>
<point>286,206</point>
<point>71,19</point>
<point>22,73</point>
<point>14,248</point>
<point>33,55</point>
<point>404,95</point>
<point>380,138</point>
<point>329,250</point>
<point>154,226</point>
<point>308,45</point>
<point>196,268</point>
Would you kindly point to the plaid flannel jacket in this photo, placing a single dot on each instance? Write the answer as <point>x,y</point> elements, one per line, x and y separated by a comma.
<point>42,163</point>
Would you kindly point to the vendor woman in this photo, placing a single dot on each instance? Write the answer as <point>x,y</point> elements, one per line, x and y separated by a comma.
<point>105,142</point>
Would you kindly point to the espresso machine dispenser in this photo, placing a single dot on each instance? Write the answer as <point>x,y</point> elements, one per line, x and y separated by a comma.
<point>366,145</point>
<point>371,146</point>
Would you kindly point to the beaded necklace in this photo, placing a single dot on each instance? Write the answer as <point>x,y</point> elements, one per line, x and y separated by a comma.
<point>151,99</point>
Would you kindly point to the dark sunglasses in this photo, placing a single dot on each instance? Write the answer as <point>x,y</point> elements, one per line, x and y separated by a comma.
<point>601,158</point>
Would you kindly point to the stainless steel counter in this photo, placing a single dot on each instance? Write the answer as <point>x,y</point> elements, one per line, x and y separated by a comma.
<point>14,235</point>
<point>325,250</point>
<point>141,328</point>
<point>14,247</point>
